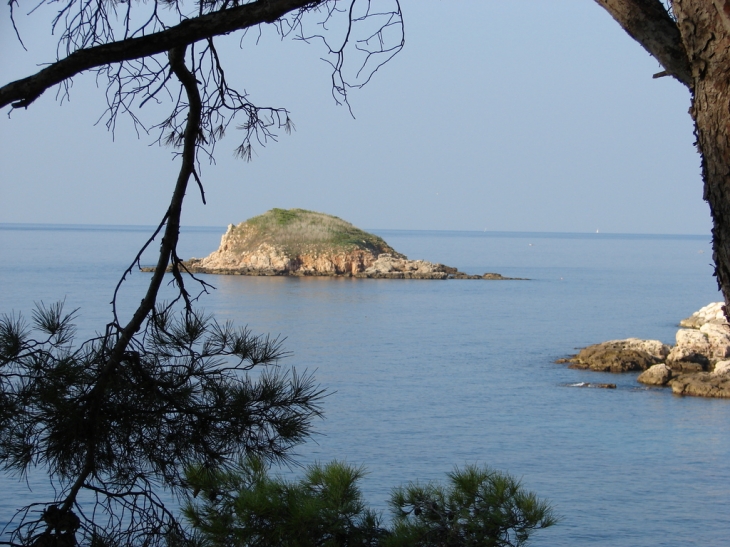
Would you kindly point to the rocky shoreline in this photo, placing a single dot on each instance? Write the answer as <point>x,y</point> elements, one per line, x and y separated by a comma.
<point>385,266</point>
<point>697,365</point>
<point>300,243</point>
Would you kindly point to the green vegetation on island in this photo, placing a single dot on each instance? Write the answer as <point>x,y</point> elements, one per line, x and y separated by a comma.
<point>298,231</point>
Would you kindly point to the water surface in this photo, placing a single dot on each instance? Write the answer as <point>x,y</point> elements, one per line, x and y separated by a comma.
<point>425,375</point>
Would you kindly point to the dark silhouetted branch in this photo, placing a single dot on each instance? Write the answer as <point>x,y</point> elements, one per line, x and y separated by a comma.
<point>22,93</point>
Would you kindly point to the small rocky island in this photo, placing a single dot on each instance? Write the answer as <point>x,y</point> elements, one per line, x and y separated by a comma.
<point>298,242</point>
<point>698,364</point>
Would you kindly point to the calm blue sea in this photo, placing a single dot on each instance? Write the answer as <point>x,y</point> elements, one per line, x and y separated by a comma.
<point>426,375</point>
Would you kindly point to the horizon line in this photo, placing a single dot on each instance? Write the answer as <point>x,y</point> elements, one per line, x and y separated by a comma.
<point>71,226</point>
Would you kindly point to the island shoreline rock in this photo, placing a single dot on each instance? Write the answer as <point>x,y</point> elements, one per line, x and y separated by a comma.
<point>412,269</point>
<point>300,243</point>
<point>697,365</point>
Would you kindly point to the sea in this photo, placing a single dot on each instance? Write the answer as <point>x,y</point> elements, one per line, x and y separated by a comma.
<point>424,376</point>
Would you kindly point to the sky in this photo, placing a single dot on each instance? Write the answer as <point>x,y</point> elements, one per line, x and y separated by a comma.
<point>499,115</point>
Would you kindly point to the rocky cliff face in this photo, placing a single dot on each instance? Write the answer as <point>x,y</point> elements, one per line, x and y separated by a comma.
<point>294,242</point>
<point>268,259</point>
<point>234,257</point>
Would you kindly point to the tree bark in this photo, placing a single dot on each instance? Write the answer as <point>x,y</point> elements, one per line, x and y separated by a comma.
<point>703,26</point>
<point>648,22</point>
<point>723,9</point>
<point>706,40</point>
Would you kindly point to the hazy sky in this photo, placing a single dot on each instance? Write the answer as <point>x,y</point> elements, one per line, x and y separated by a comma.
<point>517,115</point>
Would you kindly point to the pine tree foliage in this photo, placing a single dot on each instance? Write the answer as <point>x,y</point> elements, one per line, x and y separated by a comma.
<point>114,420</point>
<point>244,507</point>
<point>479,507</point>
<point>248,508</point>
<point>186,391</point>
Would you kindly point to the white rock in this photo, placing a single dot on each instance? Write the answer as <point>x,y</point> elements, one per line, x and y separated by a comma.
<point>690,344</point>
<point>722,368</point>
<point>711,313</point>
<point>690,337</point>
<point>718,336</point>
<point>657,375</point>
<point>388,264</point>
<point>712,341</point>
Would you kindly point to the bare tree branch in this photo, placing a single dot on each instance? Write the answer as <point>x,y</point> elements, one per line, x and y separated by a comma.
<point>649,23</point>
<point>22,93</point>
<point>123,415</point>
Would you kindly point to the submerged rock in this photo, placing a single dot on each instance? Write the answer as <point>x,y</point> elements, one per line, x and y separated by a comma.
<point>297,242</point>
<point>596,385</point>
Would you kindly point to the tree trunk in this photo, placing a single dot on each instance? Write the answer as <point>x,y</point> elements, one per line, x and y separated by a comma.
<point>703,25</point>
<point>695,49</point>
